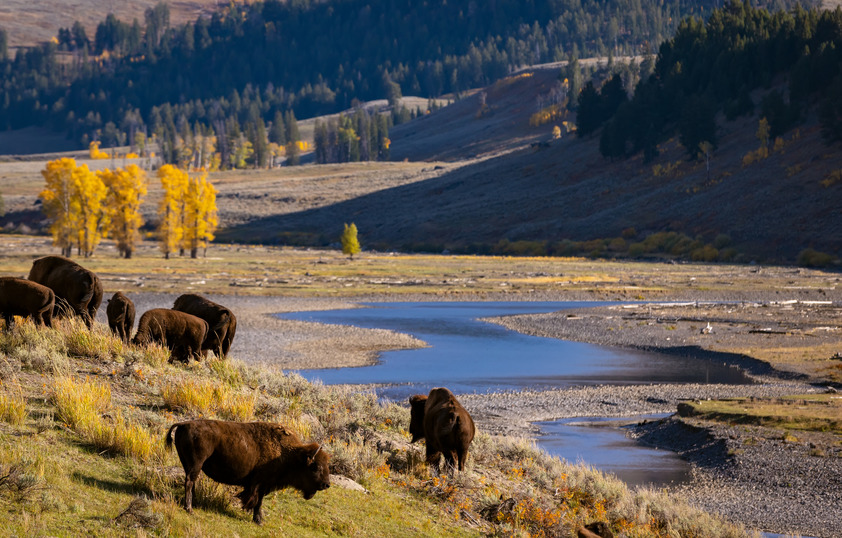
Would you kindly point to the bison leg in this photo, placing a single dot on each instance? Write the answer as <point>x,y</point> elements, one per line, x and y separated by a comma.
<point>433,459</point>
<point>258,509</point>
<point>189,482</point>
<point>47,318</point>
<point>461,456</point>
<point>10,320</point>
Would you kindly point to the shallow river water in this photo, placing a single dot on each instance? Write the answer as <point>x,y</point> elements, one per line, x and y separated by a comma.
<point>467,355</point>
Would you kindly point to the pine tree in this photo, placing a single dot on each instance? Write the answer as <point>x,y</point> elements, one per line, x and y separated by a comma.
<point>349,240</point>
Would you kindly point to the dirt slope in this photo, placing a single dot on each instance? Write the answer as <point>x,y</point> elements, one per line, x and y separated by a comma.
<point>524,186</point>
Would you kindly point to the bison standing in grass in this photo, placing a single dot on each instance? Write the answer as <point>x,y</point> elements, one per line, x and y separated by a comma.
<point>74,286</point>
<point>222,324</point>
<point>447,427</point>
<point>21,297</point>
<point>259,456</point>
<point>121,312</point>
<point>179,332</point>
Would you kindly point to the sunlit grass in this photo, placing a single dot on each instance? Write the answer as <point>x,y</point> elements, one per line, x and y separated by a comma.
<point>12,403</point>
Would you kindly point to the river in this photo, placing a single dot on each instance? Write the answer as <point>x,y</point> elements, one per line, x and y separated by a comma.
<point>468,355</point>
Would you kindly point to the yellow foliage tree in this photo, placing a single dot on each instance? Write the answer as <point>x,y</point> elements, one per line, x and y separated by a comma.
<point>200,214</point>
<point>126,189</point>
<point>73,200</point>
<point>171,208</point>
<point>349,240</point>
<point>95,152</point>
<point>59,205</point>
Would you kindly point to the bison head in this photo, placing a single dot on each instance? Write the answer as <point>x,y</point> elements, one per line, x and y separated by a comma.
<point>316,474</point>
<point>416,416</point>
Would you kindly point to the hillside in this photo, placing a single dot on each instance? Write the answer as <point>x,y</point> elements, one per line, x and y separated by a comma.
<point>564,189</point>
<point>31,22</point>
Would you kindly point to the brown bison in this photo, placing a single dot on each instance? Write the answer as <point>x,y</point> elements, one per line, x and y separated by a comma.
<point>259,456</point>
<point>222,324</point>
<point>445,424</point>
<point>120,311</point>
<point>74,286</point>
<point>21,297</point>
<point>179,332</point>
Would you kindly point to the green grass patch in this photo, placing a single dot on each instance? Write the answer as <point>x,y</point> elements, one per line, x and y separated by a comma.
<point>819,412</point>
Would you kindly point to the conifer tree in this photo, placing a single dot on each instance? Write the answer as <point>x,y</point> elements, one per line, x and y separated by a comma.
<point>349,240</point>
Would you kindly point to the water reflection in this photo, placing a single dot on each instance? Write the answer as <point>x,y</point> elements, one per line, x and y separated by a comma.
<point>468,355</point>
<point>601,443</point>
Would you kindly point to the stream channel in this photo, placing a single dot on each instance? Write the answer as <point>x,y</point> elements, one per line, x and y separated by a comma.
<point>471,356</point>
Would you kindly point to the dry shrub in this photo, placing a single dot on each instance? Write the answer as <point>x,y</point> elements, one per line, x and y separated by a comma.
<point>12,404</point>
<point>138,514</point>
<point>79,405</point>
<point>35,348</point>
<point>21,480</point>
<point>354,458</point>
<point>238,406</point>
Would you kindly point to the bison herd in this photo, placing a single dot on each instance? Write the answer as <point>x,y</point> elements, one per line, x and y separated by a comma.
<point>58,286</point>
<point>260,457</point>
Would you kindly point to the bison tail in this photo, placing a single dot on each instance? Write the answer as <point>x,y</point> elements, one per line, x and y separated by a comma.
<point>170,435</point>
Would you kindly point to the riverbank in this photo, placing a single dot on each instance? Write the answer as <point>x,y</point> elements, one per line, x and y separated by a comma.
<point>761,477</point>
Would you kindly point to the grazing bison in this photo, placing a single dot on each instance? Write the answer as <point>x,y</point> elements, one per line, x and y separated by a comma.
<point>259,456</point>
<point>222,324</point>
<point>120,311</point>
<point>21,297</point>
<point>75,287</point>
<point>445,424</point>
<point>179,332</point>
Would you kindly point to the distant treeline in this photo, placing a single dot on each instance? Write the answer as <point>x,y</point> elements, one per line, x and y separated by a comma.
<point>794,58</point>
<point>250,62</point>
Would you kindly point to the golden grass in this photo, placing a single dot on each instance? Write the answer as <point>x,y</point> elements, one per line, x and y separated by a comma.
<point>12,403</point>
<point>80,405</point>
<point>207,397</point>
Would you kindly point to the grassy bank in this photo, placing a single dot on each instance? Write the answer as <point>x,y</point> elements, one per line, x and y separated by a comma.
<point>81,451</point>
<point>799,413</point>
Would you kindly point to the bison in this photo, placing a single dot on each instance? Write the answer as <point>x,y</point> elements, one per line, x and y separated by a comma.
<point>120,311</point>
<point>222,324</point>
<point>74,286</point>
<point>179,332</point>
<point>259,456</point>
<point>445,424</point>
<point>21,297</point>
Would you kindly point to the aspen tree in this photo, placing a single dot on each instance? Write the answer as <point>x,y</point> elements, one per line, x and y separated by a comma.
<point>349,240</point>
<point>200,214</point>
<point>89,190</point>
<point>171,208</point>
<point>126,189</point>
<point>59,205</point>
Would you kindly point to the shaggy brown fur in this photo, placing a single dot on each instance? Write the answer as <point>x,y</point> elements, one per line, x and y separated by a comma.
<point>447,427</point>
<point>179,332</point>
<point>259,456</point>
<point>21,297</point>
<point>120,311</point>
<point>222,324</point>
<point>74,286</point>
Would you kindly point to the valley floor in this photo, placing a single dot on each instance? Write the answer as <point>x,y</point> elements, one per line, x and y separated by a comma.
<point>751,475</point>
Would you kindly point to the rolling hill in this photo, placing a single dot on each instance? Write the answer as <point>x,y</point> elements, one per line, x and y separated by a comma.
<point>519,185</point>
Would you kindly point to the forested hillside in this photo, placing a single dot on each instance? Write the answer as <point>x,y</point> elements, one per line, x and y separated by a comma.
<point>760,181</point>
<point>224,75</point>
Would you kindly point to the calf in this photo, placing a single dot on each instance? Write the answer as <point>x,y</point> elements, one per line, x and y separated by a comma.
<point>259,456</point>
<point>120,311</point>
<point>447,427</point>
<point>21,297</point>
<point>179,332</point>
